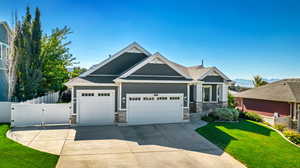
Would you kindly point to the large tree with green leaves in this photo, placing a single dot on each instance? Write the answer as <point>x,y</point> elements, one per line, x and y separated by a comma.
<point>57,58</point>
<point>40,62</point>
<point>258,81</point>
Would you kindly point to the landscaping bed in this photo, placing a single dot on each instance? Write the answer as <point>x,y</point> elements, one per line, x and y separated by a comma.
<point>16,155</point>
<point>252,143</point>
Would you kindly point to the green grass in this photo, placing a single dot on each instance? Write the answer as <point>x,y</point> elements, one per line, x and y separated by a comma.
<point>253,144</point>
<point>14,155</point>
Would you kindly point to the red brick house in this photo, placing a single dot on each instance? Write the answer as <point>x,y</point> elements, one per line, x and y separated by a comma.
<point>282,97</point>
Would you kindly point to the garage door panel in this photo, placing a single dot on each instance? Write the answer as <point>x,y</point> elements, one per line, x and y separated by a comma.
<point>96,107</point>
<point>150,109</point>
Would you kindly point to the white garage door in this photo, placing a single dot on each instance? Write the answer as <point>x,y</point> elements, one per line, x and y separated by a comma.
<point>95,107</point>
<point>154,108</point>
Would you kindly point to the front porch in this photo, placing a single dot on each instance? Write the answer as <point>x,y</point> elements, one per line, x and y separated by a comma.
<point>205,97</point>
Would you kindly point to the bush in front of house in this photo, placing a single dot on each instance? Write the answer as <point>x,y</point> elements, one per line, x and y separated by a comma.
<point>280,127</point>
<point>251,116</point>
<point>292,136</point>
<point>226,114</point>
<point>209,118</point>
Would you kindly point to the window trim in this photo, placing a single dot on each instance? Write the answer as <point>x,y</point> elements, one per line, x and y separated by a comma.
<point>210,94</point>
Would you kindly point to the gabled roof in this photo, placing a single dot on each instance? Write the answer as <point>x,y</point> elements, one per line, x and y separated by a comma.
<point>151,58</point>
<point>194,73</point>
<point>286,90</point>
<point>133,47</point>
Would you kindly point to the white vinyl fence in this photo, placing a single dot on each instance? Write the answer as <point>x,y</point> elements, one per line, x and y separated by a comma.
<point>48,98</point>
<point>5,112</point>
<point>24,114</point>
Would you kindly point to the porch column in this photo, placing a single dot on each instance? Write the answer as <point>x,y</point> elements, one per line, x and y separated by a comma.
<point>198,97</point>
<point>199,92</point>
<point>224,93</point>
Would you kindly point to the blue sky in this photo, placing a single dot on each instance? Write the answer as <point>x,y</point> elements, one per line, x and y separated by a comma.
<point>241,37</point>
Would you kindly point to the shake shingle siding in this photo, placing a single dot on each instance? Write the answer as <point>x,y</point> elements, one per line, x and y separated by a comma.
<point>156,69</point>
<point>213,79</point>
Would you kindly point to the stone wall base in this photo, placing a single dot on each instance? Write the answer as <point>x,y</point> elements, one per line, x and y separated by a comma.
<point>120,117</point>
<point>186,113</point>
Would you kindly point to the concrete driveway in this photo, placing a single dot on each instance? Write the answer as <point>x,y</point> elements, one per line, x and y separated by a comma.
<point>145,146</point>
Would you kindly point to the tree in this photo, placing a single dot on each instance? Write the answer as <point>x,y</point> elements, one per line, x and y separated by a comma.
<point>27,55</point>
<point>76,71</point>
<point>258,81</point>
<point>57,58</point>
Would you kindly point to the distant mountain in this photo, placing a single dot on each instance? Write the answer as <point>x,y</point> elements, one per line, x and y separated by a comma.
<point>248,83</point>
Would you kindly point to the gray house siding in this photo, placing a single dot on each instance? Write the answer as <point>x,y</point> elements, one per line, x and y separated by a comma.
<point>3,34</point>
<point>213,79</point>
<point>4,37</point>
<point>76,88</point>
<point>121,64</point>
<point>144,88</point>
<point>3,86</point>
<point>156,69</point>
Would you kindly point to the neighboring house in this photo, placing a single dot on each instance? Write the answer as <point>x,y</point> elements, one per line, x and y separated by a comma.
<point>134,86</point>
<point>5,35</point>
<point>282,97</point>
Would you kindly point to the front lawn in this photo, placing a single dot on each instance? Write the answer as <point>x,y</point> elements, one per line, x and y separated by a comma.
<point>16,155</point>
<point>253,144</point>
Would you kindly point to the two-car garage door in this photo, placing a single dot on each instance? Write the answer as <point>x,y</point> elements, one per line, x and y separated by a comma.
<point>154,108</point>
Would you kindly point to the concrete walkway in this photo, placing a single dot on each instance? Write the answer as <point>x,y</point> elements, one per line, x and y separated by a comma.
<point>145,146</point>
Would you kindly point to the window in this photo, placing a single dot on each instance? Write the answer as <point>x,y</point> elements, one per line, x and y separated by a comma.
<point>148,98</point>
<point>206,93</point>
<point>162,98</point>
<point>210,93</point>
<point>134,98</point>
<point>87,94</point>
<point>103,94</point>
<point>175,98</point>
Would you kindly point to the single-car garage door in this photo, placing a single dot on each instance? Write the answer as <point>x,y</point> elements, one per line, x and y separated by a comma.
<point>95,107</point>
<point>154,108</point>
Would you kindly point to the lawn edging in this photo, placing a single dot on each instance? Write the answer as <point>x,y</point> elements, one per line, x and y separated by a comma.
<point>280,133</point>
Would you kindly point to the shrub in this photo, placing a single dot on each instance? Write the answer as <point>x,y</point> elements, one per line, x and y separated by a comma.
<point>231,101</point>
<point>209,118</point>
<point>280,127</point>
<point>226,114</point>
<point>251,116</point>
<point>292,136</point>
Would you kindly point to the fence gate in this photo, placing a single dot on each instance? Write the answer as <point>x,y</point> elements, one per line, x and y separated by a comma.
<point>24,114</point>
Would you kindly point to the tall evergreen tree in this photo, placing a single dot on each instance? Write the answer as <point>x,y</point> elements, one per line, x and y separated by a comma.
<point>29,63</point>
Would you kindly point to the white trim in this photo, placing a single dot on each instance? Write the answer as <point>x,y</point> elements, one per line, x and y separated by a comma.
<point>216,83</point>
<point>211,70</point>
<point>150,81</point>
<point>188,96</point>
<point>148,60</point>
<point>129,48</point>
<point>72,101</point>
<point>6,45</point>
<point>210,94</point>
<point>91,84</point>
<point>166,76</point>
<point>102,75</point>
